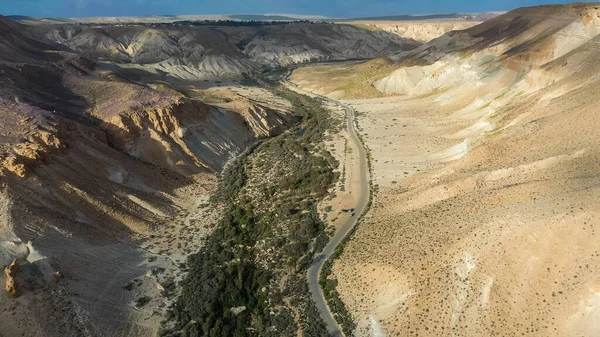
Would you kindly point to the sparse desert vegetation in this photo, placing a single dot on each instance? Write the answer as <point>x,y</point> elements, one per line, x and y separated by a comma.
<point>257,257</point>
<point>482,163</point>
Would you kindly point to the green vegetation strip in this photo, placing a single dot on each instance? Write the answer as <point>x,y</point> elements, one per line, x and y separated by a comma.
<point>249,279</point>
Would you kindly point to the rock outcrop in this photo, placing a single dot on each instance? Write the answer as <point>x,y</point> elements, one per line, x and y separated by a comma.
<point>11,286</point>
<point>35,151</point>
<point>189,136</point>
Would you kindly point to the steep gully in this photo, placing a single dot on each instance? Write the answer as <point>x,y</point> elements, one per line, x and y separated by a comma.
<point>363,198</point>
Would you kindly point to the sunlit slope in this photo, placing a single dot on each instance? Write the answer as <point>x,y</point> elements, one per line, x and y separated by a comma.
<point>486,218</point>
<point>507,46</point>
<point>516,43</point>
<point>421,31</point>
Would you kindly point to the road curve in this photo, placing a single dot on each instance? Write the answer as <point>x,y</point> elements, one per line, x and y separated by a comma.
<point>315,269</point>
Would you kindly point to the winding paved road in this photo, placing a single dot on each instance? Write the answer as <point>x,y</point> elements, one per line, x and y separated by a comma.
<point>315,269</point>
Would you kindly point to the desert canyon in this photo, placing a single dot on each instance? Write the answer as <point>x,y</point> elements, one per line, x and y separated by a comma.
<point>394,176</point>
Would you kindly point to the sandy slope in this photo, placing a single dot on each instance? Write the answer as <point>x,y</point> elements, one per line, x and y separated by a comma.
<point>422,31</point>
<point>485,217</point>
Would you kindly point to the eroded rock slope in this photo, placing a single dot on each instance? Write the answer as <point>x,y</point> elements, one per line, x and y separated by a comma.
<point>215,52</point>
<point>92,168</point>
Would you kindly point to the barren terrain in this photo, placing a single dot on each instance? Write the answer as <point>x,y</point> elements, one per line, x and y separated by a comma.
<point>421,31</point>
<point>198,53</point>
<point>105,187</point>
<point>484,218</point>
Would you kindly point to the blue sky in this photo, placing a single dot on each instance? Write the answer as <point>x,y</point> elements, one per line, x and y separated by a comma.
<point>332,8</point>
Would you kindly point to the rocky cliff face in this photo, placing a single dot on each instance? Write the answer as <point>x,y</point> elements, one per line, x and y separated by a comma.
<point>189,136</point>
<point>10,272</point>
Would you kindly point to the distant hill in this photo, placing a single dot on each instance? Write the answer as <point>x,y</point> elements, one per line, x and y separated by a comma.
<point>201,52</point>
<point>166,18</point>
<point>450,16</point>
<point>274,17</point>
<point>20,17</point>
<point>251,17</point>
